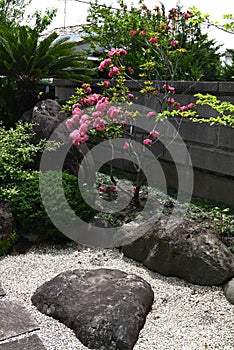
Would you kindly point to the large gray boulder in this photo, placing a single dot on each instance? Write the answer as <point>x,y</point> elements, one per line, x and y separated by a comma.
<point>184,249</point>
<point>229,291</point>
<point>105,308</point>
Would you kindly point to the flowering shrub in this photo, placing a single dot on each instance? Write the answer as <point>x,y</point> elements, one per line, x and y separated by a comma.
<point>104,116</point>
<point>171,45</point>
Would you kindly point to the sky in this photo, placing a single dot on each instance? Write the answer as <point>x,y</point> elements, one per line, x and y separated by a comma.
<point>73,12</point>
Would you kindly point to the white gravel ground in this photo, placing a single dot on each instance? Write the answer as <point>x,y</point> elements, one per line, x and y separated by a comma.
<point>184,316</point>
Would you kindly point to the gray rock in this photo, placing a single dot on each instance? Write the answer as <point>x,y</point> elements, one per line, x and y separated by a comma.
<point>2,292</point>
<point>49,120</point>
<point>15,320</point>
<point>105,308</point>
<point>229,291</point>
<point>185,250</point>
<point>29,343</point>
<point>7,224</point>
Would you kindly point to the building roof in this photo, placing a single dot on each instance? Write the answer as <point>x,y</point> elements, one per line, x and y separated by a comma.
<point>74,32</point>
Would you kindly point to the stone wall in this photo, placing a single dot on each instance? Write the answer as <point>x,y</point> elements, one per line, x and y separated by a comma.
<point>211,148</point>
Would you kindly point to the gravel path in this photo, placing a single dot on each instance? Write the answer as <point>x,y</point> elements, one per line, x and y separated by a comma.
<point>184,316</point>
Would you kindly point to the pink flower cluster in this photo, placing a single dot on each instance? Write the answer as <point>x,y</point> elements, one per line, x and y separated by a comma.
<point>104,64</point>
<point>117,52</point>
<point>169,88</point>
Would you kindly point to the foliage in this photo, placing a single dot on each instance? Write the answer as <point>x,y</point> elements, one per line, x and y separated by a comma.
<point>171,45</point>
<point>7,243</point>
<point>25,59</point>
<point>13,13</point>
<point>228,69</point>
<point>223,111</point>
<point>28,209</point>
<point>15,152</point>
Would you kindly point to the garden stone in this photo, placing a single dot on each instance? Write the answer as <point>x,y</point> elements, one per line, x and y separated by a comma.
<point>47,117</point>
<point>15,320</point>
<point>28,343</point>
<point>2,292</point>
<point>229,291</point>
<point>185,250</point>
<point>7,224</point>
<point>105,308</point>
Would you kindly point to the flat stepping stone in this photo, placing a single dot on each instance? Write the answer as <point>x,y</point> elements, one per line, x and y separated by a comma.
<point>2,292</point>
<point>105,308</point>
<point>15,320</point>
<point>29,343</point>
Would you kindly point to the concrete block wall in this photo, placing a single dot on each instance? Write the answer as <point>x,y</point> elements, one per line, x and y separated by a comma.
<point>211,148</point>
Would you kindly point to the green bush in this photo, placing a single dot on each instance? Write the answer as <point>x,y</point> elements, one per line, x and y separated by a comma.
<point>7,243</point>
<point>30,216</point>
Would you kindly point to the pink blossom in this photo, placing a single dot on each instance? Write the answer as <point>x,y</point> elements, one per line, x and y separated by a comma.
<point>153,40</point>
<point>76,110</point>
<point>186,15</point>
<point>84,119</point>
<point>147,142</point>
<point>131,70</point>
<point>131,96</point>
<point>144,32</point>
<point>99,124</point>
<point>83,129</point>
<point>102,104</point>
<point>191,105</point>
<point>69,124</point>
<point>113,188</point>
<point>113,71</point>
<point>102,189</point>
<point>144,7</point>
<point>117,52</point>
<point>154,134</point>
<point>174,43</point>
<point>106,83</point>
<point>151,114</point>
<point>113,112</point>
<point>133,32</point>
<point>168,27</point>
<point>104,64</point>
<point>96,114</point>
<point>155,92</point>
<point>126,146</point>
<point>170,100</point>
<point>92,99</point>
<point>86,87</point>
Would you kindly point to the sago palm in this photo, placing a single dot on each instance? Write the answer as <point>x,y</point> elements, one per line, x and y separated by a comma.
<point>26,58</point>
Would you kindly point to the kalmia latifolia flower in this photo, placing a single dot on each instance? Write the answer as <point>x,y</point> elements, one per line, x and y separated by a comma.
<point>126,146</point>
<point>170,100</point>
<point>153,40</point>
<point>106,83</point>
<point>86,87</point>
<point>174,43</point>
<point>169,88</point>
<point>147,142</point>
<point>117,52</point>
<point>151,114</point>
<point>104,64</point>
<point>131,70</point>
<point>113,71</point>
<point>102,189</point>
<point>154,134</point>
